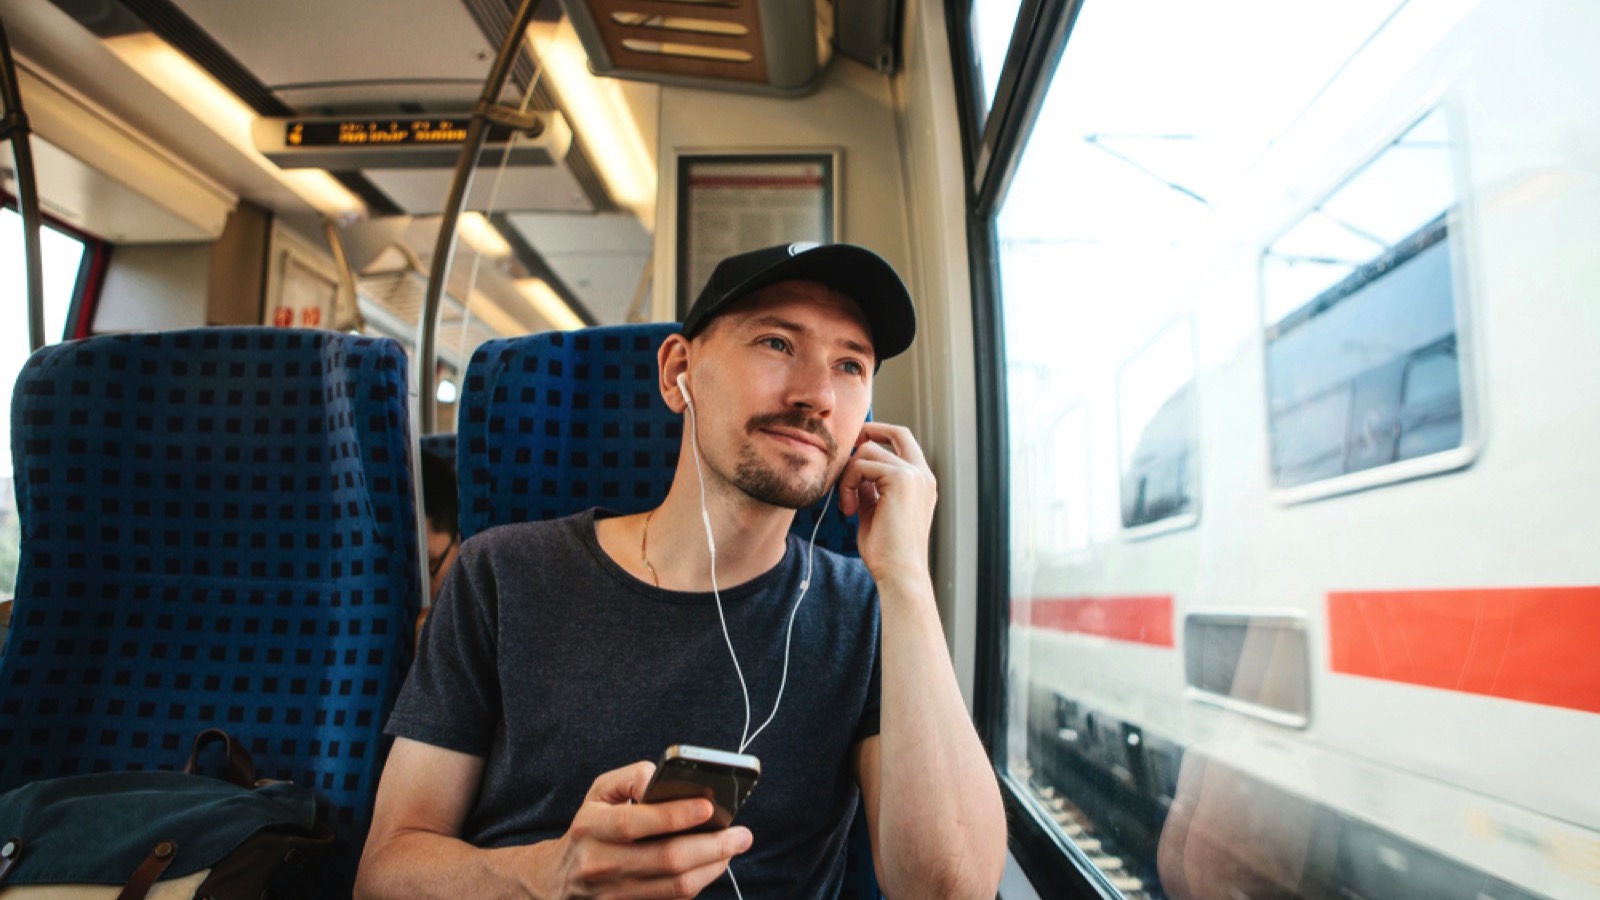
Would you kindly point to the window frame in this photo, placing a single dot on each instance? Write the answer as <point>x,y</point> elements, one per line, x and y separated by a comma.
<point>991,155</point>
<point>91,273</point>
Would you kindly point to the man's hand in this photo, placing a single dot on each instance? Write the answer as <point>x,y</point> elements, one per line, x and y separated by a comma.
<point>608,851</point>
<point>889,484</point>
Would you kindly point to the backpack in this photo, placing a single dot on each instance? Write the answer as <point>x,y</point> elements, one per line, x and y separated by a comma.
<point>163,834</point>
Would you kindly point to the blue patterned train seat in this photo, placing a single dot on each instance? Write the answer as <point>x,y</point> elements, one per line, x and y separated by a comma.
<point>218,529</point>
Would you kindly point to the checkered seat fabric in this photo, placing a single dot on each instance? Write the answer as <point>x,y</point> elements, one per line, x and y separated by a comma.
<point>554,423</point>
<point>218,530</point>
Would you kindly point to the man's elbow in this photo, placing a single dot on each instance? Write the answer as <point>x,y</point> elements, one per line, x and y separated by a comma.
<point>973,873</point>
<point>980,876</point>
<point>367,875</point>
<point>375,878</point>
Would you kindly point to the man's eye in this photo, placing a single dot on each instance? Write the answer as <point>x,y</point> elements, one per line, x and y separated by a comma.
<point>854,368</point>
<point>776,343</point>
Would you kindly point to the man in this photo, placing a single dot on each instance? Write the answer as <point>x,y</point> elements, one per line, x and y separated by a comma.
<point>439,511</point>
<point>563,656</point>
<point>441,518</point>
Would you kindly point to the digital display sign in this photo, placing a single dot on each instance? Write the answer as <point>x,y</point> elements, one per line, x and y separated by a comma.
<point>404,142</point>
<point>382,132</point>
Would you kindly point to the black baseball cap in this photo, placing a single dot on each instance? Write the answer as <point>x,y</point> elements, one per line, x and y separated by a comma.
<point>853,271</point>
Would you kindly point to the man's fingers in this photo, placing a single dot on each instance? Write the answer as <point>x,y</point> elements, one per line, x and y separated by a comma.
<point>666,858</point>
<point>849,484</point>
<point>686,884</point>
<point>625,824</point>
<point>899,438</point>
<point>622,785</point>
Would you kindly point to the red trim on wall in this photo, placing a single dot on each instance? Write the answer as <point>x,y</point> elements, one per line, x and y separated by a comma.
<point>1535,645</point>
<point>89,290</point>
<point>1137,619</point>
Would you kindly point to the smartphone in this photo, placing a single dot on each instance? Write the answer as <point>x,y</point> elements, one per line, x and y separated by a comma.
<point>724,778</point>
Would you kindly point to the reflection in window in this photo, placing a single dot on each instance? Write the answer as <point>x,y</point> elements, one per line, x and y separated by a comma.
<point>1155,393</point>
<point>1362,363</point>
<point>1253,662</point>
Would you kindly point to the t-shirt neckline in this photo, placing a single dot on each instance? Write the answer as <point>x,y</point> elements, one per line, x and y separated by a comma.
<point>587,522</point>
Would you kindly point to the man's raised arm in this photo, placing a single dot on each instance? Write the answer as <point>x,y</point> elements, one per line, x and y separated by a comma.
<point>933,804</point>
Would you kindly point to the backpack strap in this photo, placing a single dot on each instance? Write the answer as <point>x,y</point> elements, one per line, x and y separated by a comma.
<point>149,871</point>
<point>241,768</point>
<point>10,852</point>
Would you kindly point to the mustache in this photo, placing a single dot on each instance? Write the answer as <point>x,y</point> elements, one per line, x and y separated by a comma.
<point>794,418</point>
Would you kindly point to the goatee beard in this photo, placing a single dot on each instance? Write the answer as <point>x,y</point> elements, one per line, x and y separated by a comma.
<point>759,481</point>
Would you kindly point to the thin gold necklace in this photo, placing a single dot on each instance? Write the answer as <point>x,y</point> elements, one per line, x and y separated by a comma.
<point>644,548</point>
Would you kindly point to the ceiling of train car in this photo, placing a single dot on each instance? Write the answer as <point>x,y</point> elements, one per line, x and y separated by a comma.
<point>434,57</point>
<point>398,57</point>
<point>577,224</point>
<point>354,55</point>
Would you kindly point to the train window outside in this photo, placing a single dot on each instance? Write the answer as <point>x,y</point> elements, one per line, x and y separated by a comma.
<point>1256,663</point>
<point>1364,370</point>
<point>63,256</point>
<point>1070,512</point>
<point>1372,697</point>
<point>1156,408</point>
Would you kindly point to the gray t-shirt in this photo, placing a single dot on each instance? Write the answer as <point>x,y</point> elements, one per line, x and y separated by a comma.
<point>549,661</point>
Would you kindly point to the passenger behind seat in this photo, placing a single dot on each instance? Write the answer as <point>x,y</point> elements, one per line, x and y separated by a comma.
<point>439,511</point>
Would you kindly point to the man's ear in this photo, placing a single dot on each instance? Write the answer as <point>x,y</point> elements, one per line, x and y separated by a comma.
<point>672,360</point>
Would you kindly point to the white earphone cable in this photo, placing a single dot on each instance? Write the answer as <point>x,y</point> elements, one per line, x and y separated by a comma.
<point>805,585</point>
<point>711,547</point>
<point>746,738</point>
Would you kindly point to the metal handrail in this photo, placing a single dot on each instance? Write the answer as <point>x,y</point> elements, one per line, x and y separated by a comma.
<point>14,127</point>
<point>483,114</point>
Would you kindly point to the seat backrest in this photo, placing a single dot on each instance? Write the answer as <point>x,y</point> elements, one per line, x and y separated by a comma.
<point>554,423</point>
<point>218,529</point>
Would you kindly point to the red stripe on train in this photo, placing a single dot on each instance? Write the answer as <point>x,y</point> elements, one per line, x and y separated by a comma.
<point>1140,620</point>
<point>1536,645</point>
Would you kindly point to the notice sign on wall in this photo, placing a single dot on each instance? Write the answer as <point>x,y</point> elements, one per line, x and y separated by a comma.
<point>730,203</point>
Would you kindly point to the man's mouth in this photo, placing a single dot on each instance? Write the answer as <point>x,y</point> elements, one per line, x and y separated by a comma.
<point>798,430</point>
<point>799,439</point>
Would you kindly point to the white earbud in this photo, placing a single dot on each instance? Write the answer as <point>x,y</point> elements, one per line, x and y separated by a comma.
<point>683,385</point>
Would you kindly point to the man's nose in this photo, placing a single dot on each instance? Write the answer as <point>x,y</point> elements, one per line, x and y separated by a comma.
<point>811,387</point>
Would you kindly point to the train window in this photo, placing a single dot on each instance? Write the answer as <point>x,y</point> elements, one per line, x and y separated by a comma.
<point>1364,370</point>
<point>1156,408</point>
<point>1057,473</point>
<point>991,22</point>
<point>1338,207</point>
<point>1255,663</point>
<point>1069,514</point>
<point>63,257</point>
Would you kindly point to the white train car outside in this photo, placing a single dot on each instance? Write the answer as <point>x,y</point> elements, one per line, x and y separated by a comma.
<point>1303,523</point>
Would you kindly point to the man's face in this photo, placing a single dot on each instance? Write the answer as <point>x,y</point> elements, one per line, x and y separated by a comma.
<point>781,384</point>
